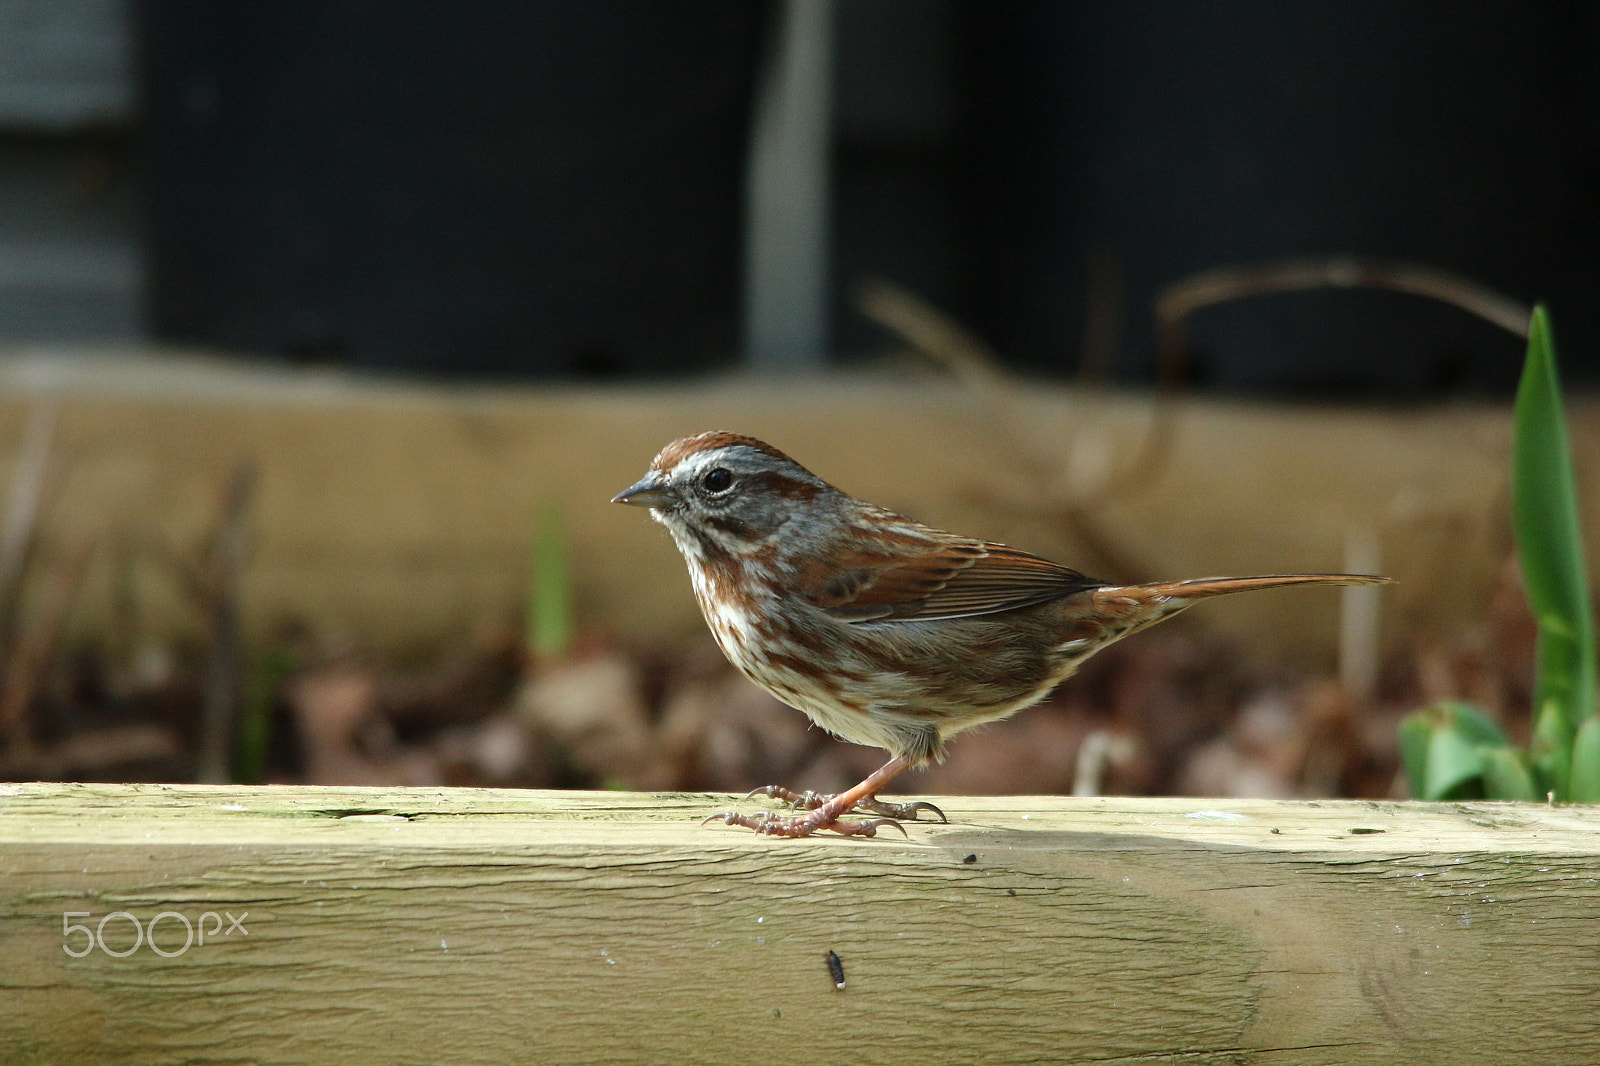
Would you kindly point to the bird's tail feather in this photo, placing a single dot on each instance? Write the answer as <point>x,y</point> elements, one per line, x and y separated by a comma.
<point>1118,610</point>
<point>1201,587</point>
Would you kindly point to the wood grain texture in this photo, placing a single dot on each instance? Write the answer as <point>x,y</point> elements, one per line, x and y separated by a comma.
<point>478,926</point>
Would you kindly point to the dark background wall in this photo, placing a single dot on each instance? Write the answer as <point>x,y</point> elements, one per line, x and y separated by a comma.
<point>495,187</point>
<point>1147,140</point>
<point>555,189</point>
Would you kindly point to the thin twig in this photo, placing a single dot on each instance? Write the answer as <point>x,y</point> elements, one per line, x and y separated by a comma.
<point>32,655</point>
<point>22,515</point>
<point>1183,298</point>
<point>1094,754</point>
<point>1360,615</point>
<point>933,333</point>
<point>223,684</point>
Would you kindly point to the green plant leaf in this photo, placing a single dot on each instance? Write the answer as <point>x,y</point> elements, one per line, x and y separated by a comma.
<point>1473,724</point>
<point>549,616</point>
<point>1453,762</point>
<point>1585,784</point>
<point>1416,729</point>
<point>1544,511</point>
<point>1506,775</point>
<point>1452,749</point>
<point>268,674</point>
<point>1550,754</point>
<point>1441,750</point>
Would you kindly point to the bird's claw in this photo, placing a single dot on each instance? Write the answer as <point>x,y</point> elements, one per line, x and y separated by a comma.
<point>800,801</point>
<point>901,811</point>
<point>769,824</point>
<point>810,801</point>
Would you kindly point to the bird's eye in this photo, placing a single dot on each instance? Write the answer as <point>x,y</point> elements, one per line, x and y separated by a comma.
<point>717,480</point>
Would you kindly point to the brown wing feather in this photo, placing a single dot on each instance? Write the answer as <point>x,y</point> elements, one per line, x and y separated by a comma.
<point>923,579</point>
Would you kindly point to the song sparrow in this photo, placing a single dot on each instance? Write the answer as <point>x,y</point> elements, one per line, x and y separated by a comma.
<point>884,631</point>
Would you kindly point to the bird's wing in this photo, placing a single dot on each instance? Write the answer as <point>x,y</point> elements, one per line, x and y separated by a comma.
<point>913,577</point>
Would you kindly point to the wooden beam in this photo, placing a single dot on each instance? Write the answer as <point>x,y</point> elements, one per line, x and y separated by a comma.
<point>494,926</point>
<point>401,513</point>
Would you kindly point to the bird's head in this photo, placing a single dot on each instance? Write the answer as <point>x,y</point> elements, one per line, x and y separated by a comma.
<point>728,492</point>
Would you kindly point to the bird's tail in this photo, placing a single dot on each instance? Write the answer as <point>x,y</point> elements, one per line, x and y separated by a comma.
<point>1201,587</point>
<point>1137,606</point>
<point>1118,610</point>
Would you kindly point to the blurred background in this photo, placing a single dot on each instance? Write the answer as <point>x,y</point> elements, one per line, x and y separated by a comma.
<point>327,331</point>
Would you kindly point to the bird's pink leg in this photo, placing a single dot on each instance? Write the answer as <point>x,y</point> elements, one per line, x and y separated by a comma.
<point>829,809</point>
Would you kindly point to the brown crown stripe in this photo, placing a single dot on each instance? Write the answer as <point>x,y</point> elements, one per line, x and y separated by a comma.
<point>681,449</point>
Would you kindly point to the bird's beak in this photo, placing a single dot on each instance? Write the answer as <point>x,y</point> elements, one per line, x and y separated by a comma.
<point>647,492</point>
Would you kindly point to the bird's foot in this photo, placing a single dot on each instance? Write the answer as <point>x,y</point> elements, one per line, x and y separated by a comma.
<point>817,821</point>
<point>810,801</point>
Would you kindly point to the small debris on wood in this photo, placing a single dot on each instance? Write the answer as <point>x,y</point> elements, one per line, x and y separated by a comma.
<point>836,968</point>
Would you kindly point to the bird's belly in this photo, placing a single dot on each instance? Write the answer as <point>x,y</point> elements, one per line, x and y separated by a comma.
<point>898,686</point>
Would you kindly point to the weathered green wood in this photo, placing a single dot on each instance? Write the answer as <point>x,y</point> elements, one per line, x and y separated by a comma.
<point>427,926</point>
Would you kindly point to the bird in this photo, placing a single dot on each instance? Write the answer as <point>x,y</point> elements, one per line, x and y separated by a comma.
<point>882,630</point>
